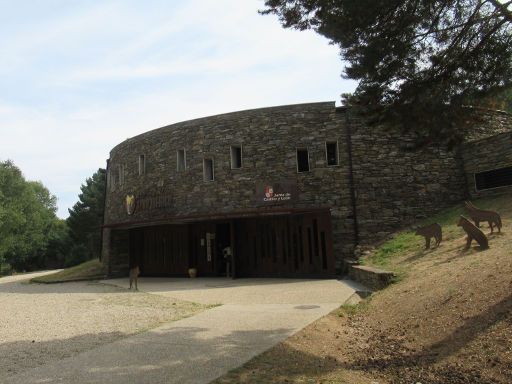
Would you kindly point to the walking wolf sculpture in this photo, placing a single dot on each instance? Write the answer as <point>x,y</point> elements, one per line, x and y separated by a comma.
<point>478,215</point>
<point>134,275</point>
<point>474,233</point>
<point>429,231</point>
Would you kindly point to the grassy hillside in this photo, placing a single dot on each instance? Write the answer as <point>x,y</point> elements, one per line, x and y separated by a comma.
<point>448,320</point>
<point>90,270</point>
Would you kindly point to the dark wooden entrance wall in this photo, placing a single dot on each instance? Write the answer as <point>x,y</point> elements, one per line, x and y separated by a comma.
<point>161,250</point>
<point>280,246</point>
<point>289,246</point>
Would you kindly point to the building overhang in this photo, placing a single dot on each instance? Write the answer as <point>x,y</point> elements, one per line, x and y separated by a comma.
<point>217,216</point>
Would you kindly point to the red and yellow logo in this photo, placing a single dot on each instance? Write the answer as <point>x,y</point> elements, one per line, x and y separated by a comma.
<point>130,204</point>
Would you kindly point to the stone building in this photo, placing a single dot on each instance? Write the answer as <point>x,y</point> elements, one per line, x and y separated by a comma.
<point>281,191</point>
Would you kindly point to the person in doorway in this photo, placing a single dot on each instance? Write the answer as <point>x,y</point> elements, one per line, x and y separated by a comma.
<point>226,252</point>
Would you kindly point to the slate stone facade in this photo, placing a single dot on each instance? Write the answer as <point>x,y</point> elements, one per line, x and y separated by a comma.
<point>378,185</point>
<point>487,154</point>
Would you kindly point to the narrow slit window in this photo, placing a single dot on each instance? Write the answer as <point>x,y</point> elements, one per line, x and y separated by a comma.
<point>295,250</point>
<point>324,250</point>
<point>181,157</point>
<point>255,251</point>
<point>315,237</point>
<point>331,151</point>
<point>302,160</point>
<point>310,246</point>
<point>301,245</point>
<point>274,245</point>
<point>142,165</point>
<point>236,157</point>
<point>208,169</point>
<point>263,242</point>
<point>283,244</point>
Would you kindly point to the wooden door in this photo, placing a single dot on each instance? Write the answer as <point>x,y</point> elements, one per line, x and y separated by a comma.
<point>165,251</point>
<point>286,246</point>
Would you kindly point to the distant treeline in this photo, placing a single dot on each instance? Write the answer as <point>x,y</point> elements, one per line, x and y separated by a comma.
<point>32,236</point>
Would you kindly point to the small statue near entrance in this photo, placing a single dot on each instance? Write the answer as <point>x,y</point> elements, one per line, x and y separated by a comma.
<point>473,232</point>
<point>431,231</point>
<point>134,276</point>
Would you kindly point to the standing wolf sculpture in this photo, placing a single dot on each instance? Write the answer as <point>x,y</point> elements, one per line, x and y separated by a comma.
<point>429,231</point>
<point>478,215</point>
<point>473,233</point>
<point>134,276</point>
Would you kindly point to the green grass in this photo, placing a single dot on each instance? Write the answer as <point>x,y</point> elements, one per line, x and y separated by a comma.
<point>406,242</point>
<point>90,270</point>
<point>350,310</point>
<point>402,243</point>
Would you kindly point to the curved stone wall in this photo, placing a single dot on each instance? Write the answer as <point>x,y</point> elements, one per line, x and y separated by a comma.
<point>269,139</point>
<point>379,184</point>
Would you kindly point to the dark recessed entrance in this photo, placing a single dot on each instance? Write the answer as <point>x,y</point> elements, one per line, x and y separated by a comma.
<point>293,245</point>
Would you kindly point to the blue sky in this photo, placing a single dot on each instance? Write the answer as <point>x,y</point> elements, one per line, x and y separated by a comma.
<point>78,77</point>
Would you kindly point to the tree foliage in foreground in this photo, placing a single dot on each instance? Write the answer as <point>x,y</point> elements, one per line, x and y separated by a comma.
<point>86,218</point>
<point>27,220</point>
<point>418,62</point>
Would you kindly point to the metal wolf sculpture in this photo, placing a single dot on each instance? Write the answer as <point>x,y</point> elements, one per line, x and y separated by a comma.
<point>473,232</point>
<point>429,231</point>
<point>478,215</point>
<point>134,275</point>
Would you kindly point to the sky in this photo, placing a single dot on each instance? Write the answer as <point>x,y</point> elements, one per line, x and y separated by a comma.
<point>79,77</point>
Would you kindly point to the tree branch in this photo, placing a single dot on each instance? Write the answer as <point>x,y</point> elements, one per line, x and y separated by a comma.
<point>503,9</point>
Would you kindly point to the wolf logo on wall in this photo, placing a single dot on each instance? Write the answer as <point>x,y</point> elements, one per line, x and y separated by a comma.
<point>130,204</point>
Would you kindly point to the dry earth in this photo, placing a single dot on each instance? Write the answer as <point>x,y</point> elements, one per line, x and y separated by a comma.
<point>42,323</point>
<point>449,320</point>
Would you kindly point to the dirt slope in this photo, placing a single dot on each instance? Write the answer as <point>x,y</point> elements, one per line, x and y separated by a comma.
<point>448,320</point>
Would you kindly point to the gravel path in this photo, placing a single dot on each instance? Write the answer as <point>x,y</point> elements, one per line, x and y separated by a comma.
<point>42,323</point>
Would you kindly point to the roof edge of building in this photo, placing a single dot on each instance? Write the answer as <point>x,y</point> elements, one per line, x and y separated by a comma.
<point>327,104</point>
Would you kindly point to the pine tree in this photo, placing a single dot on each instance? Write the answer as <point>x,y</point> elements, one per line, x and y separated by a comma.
<point>86,218</point>
<point>418,62</point>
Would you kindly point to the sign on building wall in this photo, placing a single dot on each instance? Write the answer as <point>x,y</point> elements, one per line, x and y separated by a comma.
<point>146,203</point>
<point>276,193</point>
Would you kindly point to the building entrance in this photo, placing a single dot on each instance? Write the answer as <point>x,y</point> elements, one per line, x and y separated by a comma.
<point>276,246</point>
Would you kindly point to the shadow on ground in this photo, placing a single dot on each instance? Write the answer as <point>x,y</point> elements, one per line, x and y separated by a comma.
<point>181,355</point>
<point>383,359</point>
<point>409,364</point>
<point>20,356</point>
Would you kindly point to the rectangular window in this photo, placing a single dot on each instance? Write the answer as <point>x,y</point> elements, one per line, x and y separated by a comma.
<point>181,160</point>
<point>496,178</point>
<point>142,164</point>
<point>208,169</point>
<point>236,157</point>
<point>331,152</point>
<point>302,160</point>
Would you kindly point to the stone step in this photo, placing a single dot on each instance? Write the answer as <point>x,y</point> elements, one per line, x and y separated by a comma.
<point>373,278</point>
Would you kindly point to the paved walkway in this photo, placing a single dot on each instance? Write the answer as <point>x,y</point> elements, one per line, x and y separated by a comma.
<point>255,315</point>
